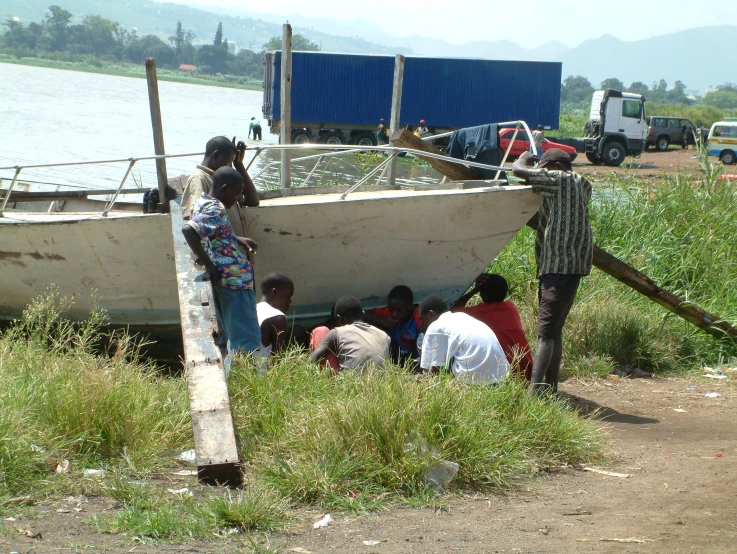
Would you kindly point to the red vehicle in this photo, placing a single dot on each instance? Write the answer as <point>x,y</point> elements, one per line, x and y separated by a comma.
<point>522,144</point>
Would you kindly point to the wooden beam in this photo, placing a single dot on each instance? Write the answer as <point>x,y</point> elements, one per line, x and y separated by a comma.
<point>285,130</point>
<point>209,401</point>
<point>403,138</point>
<point>394,122</point>
<point>611,265</point>
<point>153,102</point>
<point>710,323</point>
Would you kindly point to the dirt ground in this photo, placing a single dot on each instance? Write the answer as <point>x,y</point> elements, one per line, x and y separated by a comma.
<point>677,447</point>
<point>649,164</point>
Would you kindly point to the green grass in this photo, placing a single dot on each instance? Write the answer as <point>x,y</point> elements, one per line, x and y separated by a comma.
<point>123,69</point>
<point>354,443</point>
<point>59,400</point>
<point>323,440</point>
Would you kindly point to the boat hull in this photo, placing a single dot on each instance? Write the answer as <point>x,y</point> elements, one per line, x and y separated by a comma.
<point>434,241</point>
<point>123,263</point>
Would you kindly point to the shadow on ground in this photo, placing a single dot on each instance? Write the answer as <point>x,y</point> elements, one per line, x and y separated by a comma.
<point>590,408</point>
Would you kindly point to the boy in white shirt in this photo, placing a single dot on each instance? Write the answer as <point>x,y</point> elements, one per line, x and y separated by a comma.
<point>276,297</point>
<point>460,343</point>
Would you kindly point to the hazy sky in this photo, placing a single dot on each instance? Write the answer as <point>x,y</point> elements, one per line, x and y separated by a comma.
<point>527,22</point>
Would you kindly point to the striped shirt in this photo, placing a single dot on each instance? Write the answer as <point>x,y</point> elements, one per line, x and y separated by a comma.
<point>563,243</point>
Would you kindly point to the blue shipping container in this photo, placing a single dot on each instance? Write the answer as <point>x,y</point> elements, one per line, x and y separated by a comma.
<point>352,89</point>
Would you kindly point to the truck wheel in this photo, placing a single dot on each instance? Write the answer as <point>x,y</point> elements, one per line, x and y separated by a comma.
<point>334,138</point>
<point>365,139</point>
<point>301,136</point>
<point>727,157</point>
<point>593,158</point>
<point>613,153</point>
<point>662,144</point>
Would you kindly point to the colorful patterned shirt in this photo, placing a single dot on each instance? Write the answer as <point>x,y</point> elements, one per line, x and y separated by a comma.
<point>210,221</point>
<point>563,243</point>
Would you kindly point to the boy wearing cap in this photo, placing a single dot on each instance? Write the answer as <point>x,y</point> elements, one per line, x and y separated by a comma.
<point>563,250</point>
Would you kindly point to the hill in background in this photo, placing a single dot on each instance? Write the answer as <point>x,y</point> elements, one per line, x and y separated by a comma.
<point>687,55</point>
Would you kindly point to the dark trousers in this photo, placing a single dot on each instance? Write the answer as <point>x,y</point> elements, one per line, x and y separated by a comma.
<point>257,132</point>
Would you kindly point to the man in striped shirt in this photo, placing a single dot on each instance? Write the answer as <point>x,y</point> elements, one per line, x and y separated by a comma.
<point>563,250</point>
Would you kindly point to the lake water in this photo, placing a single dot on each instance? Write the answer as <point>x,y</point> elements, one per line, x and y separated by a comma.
<point>52,115</point>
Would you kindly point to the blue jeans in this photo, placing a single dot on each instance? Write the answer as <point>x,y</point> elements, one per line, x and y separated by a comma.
<point>238,311</point>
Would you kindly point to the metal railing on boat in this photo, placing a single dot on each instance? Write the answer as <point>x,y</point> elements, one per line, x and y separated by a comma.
<point>333,150</point>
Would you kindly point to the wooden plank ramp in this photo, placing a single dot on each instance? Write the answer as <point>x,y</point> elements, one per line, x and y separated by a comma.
<point>621,271</point>
<point>209,401</point>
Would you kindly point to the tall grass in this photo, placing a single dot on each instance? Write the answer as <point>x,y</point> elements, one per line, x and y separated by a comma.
<point>60,400</point>
<point>316,439</point>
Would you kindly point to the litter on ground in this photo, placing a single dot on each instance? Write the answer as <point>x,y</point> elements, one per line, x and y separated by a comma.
<point>323,522</point>
<point>609,473</point>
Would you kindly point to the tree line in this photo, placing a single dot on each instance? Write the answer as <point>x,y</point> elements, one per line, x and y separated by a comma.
<point>577,90</point>
<point>109,41</point>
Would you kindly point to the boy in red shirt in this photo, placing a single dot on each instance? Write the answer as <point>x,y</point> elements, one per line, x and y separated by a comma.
<point>502,317</point>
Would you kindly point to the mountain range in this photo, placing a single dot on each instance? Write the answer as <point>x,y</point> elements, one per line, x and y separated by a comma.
<point>692,56</point>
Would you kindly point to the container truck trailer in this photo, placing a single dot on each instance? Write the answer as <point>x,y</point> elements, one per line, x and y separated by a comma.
<point>340,98</point>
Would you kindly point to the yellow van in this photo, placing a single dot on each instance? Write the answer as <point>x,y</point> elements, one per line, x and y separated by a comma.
<point>723,141</point>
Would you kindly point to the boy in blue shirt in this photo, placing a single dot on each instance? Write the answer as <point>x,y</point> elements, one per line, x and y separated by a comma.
<point>401,321</point>
<point>211,237</point>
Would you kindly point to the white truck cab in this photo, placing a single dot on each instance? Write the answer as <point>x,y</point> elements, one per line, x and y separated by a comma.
<point>616,126</point>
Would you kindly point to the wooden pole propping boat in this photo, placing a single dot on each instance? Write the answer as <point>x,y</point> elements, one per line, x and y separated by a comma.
<point>604,261</point>
<point>216,448</point>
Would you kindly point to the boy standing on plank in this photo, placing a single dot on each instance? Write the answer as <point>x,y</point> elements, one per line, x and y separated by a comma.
<point>221,152</point>
<point>211,237</point>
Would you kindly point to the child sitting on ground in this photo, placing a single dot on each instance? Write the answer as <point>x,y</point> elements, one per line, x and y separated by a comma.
<point>502,317</point>
<point>210,236</point>
<point>401,320</point>
<point>353,343</point>
<point>276,297</point>
<point>458,342</point>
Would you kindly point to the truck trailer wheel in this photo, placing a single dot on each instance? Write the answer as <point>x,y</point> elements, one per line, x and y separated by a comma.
<point>301,136</point>
<point>333,137</point>
<point>662,144</point>
<point>613,153</point>
<point>727,157</point>
<point>593,158</point>
<point>365,139</point>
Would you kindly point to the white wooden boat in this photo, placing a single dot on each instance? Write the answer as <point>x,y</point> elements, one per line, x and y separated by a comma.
<point>434,240</point>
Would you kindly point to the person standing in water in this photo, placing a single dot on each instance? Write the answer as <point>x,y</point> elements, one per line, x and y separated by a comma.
<point>255,128</point>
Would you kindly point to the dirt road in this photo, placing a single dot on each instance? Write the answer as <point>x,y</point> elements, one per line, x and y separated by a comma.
<point>678,447</point>
<point>650,164</point>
